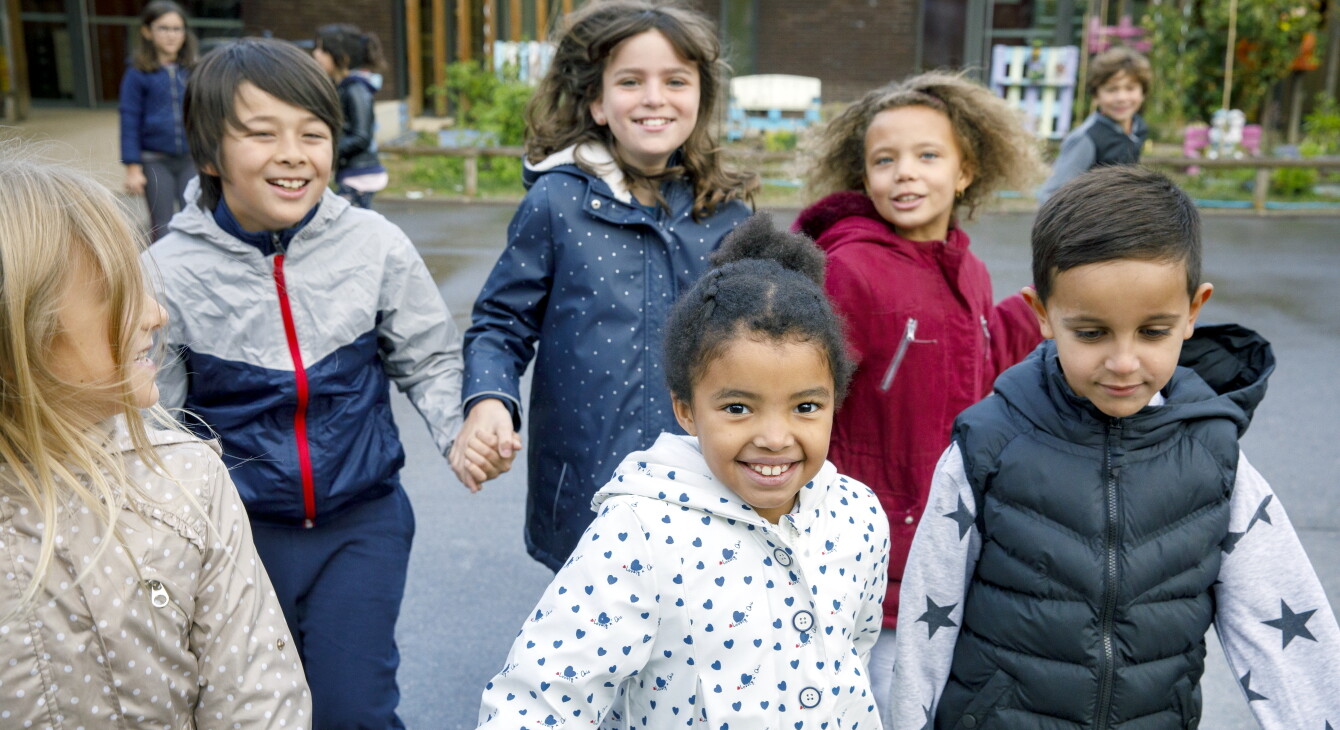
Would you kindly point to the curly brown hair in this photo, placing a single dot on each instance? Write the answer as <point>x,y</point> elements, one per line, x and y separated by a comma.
<point>559,113</point>
<point>996,148</point>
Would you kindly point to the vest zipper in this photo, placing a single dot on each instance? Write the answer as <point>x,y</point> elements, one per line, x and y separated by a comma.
<point>300,378</point>
<point>1107,676</point>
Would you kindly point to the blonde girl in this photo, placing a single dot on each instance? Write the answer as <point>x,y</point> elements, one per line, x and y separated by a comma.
<point>133,592</point>
<point>627,196</point>
<point>893,173</point>
<point>153,136</point>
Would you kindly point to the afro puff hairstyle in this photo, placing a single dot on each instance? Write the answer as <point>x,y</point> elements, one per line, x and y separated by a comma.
<point>765,284</point>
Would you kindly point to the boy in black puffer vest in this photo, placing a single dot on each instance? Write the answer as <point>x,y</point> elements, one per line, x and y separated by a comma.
<point>1095,516</point>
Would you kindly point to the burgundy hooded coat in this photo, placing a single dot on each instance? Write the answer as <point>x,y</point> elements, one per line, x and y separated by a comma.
<point>928,342</point>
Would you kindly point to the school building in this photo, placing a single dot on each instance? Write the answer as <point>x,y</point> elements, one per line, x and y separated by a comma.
<point>73,52</point>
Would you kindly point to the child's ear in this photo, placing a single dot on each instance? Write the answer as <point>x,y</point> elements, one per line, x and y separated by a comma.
<point>684,414</point>
<point>1036,304</point>
<point>598,114</point>
<point>965,179</point>
<point>1202,295</point>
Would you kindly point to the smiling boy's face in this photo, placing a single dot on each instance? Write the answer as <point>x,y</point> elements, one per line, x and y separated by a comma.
<point>277,165</point>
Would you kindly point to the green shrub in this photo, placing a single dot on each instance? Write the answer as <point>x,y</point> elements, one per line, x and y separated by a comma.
<point>780,140</point>
<point>483,101</point>
<point>1292,181</point>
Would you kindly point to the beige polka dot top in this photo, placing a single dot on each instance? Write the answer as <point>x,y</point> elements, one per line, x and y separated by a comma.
<point>177,626</point>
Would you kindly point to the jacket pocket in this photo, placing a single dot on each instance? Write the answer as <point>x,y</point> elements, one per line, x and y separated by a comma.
<point>985,703</point>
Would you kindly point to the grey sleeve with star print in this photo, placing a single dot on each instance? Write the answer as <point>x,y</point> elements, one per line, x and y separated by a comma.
<point>943,556</point>
<point>1277,628</point>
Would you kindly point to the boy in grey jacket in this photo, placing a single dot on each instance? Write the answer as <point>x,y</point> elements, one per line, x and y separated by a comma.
<point>1095,516</point>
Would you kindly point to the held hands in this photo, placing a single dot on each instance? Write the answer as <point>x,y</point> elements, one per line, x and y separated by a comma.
<point>486,445</point>
<point>135,180</point>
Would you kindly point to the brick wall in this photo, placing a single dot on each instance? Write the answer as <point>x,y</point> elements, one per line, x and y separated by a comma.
<point>299,20</point>
<point>851,45</point>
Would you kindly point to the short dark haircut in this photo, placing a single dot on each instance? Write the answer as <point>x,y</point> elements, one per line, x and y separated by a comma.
<point>1115,60</point>
<point>349,47</point>
<point>276,67</point>
<point>765,282</point>
<point>1113,213</point>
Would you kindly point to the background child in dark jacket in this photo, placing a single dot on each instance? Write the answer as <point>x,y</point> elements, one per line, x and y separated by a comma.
<point>1118,82</point>
<point>1096,515</point>
<point>352,59</point>
<point>153,136</point>
<point>896,168</point>
<point>628,195</point>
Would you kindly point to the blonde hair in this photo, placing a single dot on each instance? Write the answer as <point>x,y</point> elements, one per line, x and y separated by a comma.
<point>55,220</point>
<point>996,148</point>
<point>558,115</point>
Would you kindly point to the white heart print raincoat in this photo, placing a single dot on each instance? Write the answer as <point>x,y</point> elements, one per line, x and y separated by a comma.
<point>682,607</point>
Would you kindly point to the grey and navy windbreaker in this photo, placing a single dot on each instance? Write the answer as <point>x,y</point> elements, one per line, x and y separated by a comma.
<point>288,356</point>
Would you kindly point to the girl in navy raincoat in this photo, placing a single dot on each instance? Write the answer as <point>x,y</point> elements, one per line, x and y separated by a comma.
<point>627,196</point>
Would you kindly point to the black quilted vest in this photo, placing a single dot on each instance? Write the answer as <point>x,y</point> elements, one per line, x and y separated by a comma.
<point>1101,543</point>
<point>1112,146</point>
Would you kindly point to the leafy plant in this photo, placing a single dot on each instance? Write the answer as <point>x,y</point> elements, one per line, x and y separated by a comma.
<point>1293,181</point>
<point>483,101</point>
<point>779,140</point>
<point>1322,126</point>
<point>1190,40</point>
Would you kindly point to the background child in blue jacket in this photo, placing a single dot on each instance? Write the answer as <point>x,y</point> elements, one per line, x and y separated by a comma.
<point>1095,516</point>
<point>153,135</point>
<point>291,313</point>
<point>628,195</point>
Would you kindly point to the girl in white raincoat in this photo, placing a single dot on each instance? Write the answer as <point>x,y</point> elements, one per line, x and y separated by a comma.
<point>732,577</point>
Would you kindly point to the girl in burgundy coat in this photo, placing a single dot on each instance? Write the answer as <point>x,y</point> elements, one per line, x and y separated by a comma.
<point>894,169</point>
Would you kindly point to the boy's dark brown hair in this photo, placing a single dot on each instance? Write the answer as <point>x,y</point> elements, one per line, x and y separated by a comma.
<point>276,67</point>
<point>146,56</point>
<point>1113,213</point>
<point>1115,60</point>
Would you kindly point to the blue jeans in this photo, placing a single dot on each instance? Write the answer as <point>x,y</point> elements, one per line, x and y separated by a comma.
<point>340,585</point>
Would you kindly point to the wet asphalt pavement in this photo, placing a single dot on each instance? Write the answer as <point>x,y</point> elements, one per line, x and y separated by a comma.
<point>471,583</point>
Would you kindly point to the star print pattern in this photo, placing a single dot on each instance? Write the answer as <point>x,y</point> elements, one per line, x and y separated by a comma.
<point>1291,680</point>
<point>1292,625</point>
<point>684,606</point>
<point>963,516</point>
<point>1261,515</point>
<point>936,617</point>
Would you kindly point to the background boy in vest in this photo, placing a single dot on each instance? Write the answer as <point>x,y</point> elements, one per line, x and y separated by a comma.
<point>1118,82</point>
<point>1095,516</point>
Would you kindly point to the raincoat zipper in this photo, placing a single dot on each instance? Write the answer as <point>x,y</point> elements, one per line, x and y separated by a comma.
<point>300,378</point>
<point>1107,675</point>
<point>909,334</point>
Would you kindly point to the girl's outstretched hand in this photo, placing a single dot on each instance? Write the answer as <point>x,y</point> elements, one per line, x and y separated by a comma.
<point>486,444</point>
<point>135,179</point>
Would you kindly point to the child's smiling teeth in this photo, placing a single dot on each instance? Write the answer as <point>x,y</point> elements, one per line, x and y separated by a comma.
<point>907,198</point>
<point>770,470</point>
<point>656,122</point>
<point>289,184</point>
